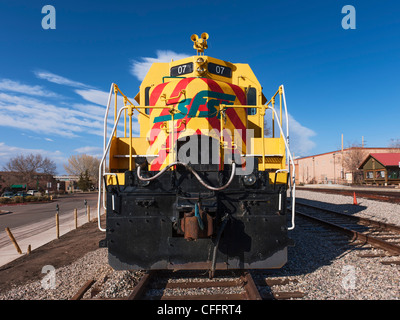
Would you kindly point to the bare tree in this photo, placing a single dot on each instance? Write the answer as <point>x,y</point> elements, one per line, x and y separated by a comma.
<point>27,168</point>
<point>31,164</point>
<point>80,164</point>
<point>352,160</point>
<point>395,143</point>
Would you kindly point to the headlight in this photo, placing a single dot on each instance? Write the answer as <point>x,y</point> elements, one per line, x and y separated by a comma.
<point>201,65</point>
<point>249,180</point>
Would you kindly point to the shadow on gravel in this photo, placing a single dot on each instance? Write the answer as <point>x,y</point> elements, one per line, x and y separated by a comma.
<point>315,245</point>
<point>348,208</point>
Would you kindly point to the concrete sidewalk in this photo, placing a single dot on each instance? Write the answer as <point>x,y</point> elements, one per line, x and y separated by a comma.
<point>38,234</point>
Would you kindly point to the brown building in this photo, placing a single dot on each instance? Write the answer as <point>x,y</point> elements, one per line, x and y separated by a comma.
<point>381,168</point>
<point>336,167</point>
<point>15,181</point>
<point>66,183</point>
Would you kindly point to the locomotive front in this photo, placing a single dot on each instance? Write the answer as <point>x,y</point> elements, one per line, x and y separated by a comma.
<point>201,187</point>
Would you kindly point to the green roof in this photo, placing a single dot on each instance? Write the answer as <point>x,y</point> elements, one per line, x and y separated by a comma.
<point>18,186</point>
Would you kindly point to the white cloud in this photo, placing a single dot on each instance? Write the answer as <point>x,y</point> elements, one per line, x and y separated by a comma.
<point>94,96</point>
<point>87,92</point>
<point>51,77</point>
<point>90,110</point>
<point>101,97</point>
<point>7,152</point>
<point>300,138</point>
<point>42,117</point>
<point>15,86</point>
<point>140,68</point>
<point>27,107</point>
<point>90,150</point>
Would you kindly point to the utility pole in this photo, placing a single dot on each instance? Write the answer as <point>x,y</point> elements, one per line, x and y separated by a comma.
<point>334,170</point>
<point>342,171</point>
<point>313,163</point>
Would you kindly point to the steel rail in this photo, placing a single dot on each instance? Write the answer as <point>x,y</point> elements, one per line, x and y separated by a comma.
<point>390,195</point>
<point>152,280</point>
<point>362,220</point>
<point>356,235</point>
<point>245,281</point>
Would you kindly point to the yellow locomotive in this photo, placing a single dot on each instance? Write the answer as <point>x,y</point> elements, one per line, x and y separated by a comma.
<point>201,187</point>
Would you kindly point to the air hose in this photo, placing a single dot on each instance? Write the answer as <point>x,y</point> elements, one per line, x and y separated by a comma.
<point>192,171</point>
<point>197,215</point>
<point>220,231</point>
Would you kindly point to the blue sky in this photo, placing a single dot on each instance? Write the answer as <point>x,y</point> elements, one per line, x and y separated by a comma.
<point>54,83</point>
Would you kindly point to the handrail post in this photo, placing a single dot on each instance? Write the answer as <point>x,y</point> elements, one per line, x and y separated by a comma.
<point>172,144</point>
<point>262,114</point>
<point>221,136</point>
<point>273,117</point>
<point>105,141</point>
<point>107,148</point>
<point>291,161</point>
<point>280,107</point>
<point>115,106</point>
<point>130,113</point>
<point>125,120</point>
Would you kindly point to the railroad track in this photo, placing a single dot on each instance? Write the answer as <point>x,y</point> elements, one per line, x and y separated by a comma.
<point>379,195</point>
<point>188,285</point>
<point>377,234</point>
<point>183,285</point>
<point>255,284</point>
<point>195,285</point>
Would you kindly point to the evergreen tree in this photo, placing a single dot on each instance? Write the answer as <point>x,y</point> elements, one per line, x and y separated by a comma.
<point>84,182</point>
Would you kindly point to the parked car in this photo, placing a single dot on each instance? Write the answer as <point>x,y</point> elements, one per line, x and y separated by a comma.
<point>7,194</point>
<point>32,192</point>
<point>21,194</point>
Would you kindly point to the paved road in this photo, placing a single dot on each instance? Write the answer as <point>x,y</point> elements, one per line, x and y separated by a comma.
<point>34,224</point>
<point>26,214</point>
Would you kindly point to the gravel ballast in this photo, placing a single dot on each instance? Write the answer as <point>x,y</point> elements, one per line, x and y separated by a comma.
<point>326,264</point>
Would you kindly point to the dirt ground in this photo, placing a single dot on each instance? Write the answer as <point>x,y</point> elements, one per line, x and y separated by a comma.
<point>60,252</point>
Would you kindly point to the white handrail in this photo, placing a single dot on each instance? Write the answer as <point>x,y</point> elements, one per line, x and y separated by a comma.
<point>293,167</point>
<point>287,118</point>
<point>105,136</point>
<point>107,146</point>
<point>101,164</point>
<point>292,195</point>
<point>280,197</point>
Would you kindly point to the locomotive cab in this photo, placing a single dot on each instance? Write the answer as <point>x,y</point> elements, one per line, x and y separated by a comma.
<point>201,187</point>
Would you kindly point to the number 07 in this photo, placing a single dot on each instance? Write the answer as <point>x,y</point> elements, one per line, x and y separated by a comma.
<point>219,69</point>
